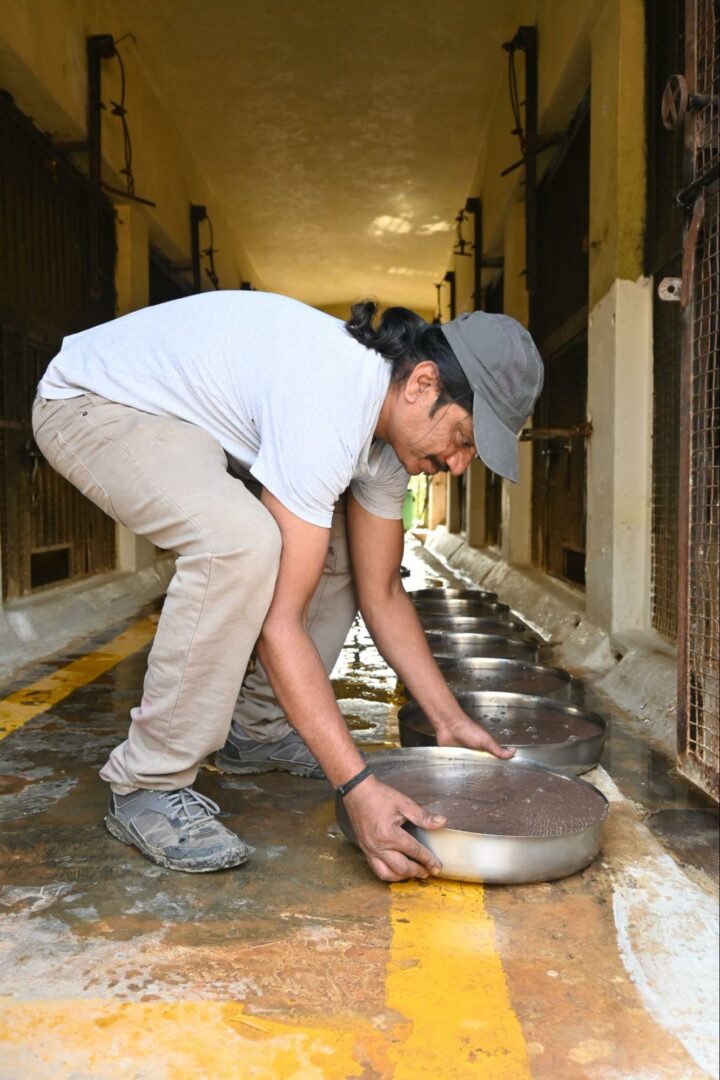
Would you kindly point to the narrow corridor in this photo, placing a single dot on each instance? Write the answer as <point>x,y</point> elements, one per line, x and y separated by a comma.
<point>301,964</point>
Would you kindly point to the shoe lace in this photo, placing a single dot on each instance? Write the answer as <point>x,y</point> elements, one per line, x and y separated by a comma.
<point>192,806</point>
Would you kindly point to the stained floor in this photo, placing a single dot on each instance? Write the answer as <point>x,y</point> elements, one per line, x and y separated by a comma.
<point>301,964</point>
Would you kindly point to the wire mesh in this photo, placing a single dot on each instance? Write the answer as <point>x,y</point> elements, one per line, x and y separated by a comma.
<point>707,83</point>
<point>702,684</point>
<point>665,457</point>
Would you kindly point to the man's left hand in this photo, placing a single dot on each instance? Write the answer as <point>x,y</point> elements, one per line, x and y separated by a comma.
<point>468,733</point>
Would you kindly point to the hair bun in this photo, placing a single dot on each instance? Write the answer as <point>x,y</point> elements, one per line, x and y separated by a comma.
<point>395,333</point>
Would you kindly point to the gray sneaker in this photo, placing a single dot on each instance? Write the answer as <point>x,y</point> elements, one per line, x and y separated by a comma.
<point>175,829</point>
<point>290,754</point>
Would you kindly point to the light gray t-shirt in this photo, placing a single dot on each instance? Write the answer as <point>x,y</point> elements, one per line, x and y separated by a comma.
<point>287,392</point>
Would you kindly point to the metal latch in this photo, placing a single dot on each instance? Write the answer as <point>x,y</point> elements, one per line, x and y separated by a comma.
<point>580,431</point>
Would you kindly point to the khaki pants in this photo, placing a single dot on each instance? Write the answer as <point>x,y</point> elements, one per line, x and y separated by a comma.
<point>168,481</point>
<point>330,616</point>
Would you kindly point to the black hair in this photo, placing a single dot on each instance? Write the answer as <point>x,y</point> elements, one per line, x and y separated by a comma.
<point>405,339</point>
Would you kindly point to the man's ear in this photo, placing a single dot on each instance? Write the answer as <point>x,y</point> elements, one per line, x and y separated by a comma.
<point>422,381</point>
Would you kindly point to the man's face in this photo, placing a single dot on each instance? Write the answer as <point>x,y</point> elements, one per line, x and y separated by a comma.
<point>442,442</point>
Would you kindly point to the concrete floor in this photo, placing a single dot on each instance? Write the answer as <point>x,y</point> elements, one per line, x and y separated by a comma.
<point>301,964</point>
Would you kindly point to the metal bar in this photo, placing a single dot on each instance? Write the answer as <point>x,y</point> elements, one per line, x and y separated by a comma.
<point>528,37</point>
<point>127,196</point>
<point>544,142</point>
<point>584,431</point>
<point>474,206</point>
<point>451,280</point>
<point>198,213</point>
<point>685,399</point>
<point>99,47</point>
<point>79,147</point>
<point>686,198</point>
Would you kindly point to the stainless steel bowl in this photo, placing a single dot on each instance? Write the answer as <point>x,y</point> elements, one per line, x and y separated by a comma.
<point>508,823</point>
<point>545,731</point>
<point>470,608</point>
<point>451,645</point>
<point>488,624</point>
<point>471,673</point>
<point>418,595</point>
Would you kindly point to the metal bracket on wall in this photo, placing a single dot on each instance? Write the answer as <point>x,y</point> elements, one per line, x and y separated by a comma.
<point>451,281</point>
<point>580,431</point>
<point>98,47</point>
<point>531,142</point>
<point>473,206</point>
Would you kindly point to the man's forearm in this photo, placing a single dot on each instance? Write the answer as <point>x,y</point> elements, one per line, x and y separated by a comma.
<point>399,636</point>
<point>304,691</point>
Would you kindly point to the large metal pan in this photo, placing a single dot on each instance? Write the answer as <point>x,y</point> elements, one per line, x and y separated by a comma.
<point>451,645</point>
<point>419,595</point>
<point>487,624</point>
<point>469,608</point>
<point>508,823</point>
<point>471,673</point>
<point>545,731</point>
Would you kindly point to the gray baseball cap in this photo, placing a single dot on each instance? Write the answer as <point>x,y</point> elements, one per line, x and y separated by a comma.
<point>505,372</point>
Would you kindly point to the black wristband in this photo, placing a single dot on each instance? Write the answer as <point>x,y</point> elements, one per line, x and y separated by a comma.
<point>343,789</point>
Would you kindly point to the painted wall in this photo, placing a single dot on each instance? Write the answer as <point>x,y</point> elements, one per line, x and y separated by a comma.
<point>597,44</point>
<point>42,63</point>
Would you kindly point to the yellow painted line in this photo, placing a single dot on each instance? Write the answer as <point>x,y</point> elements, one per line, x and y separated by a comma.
<point>25,704</point>
<point>200,1040</point>
<point>445,988</point>
<point>450,1009</point>
<point>446,978</point>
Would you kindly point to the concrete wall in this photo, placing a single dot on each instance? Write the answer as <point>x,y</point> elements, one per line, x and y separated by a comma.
<point>619,330</point>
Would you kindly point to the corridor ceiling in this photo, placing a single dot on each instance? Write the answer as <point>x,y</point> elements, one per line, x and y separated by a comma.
<point>340,136</point>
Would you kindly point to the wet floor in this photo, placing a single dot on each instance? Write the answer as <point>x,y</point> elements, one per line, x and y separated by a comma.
<point>301,964</point>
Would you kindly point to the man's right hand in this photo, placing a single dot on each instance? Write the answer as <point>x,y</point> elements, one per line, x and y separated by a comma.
<point>378,813</point>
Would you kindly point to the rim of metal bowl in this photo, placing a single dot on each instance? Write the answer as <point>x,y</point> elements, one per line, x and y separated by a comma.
<point>460,637</point>
<point>510,698</point>
<point>458,753</point>
<point>473,623</point>
<point>448,663</point>
<point>452,594</point>
<point>483,608</point>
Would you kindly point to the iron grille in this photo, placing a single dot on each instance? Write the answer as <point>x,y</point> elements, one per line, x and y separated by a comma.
<point>665,457</point>
<point>559,326</point>
<point>494,300</point>
<point>48,530</point>
<point>665,56</point>
<point>699,629</point>
<point>699,729</point>
<point>560,466</point>
<point>707,83</point>
<point>562,237</point>
<point>493,509</point>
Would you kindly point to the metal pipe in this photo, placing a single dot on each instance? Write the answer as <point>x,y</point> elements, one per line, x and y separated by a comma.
<point>99,47</point>
<point>198,213</point>
<point>450,278</point>
<point>474,207</point>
